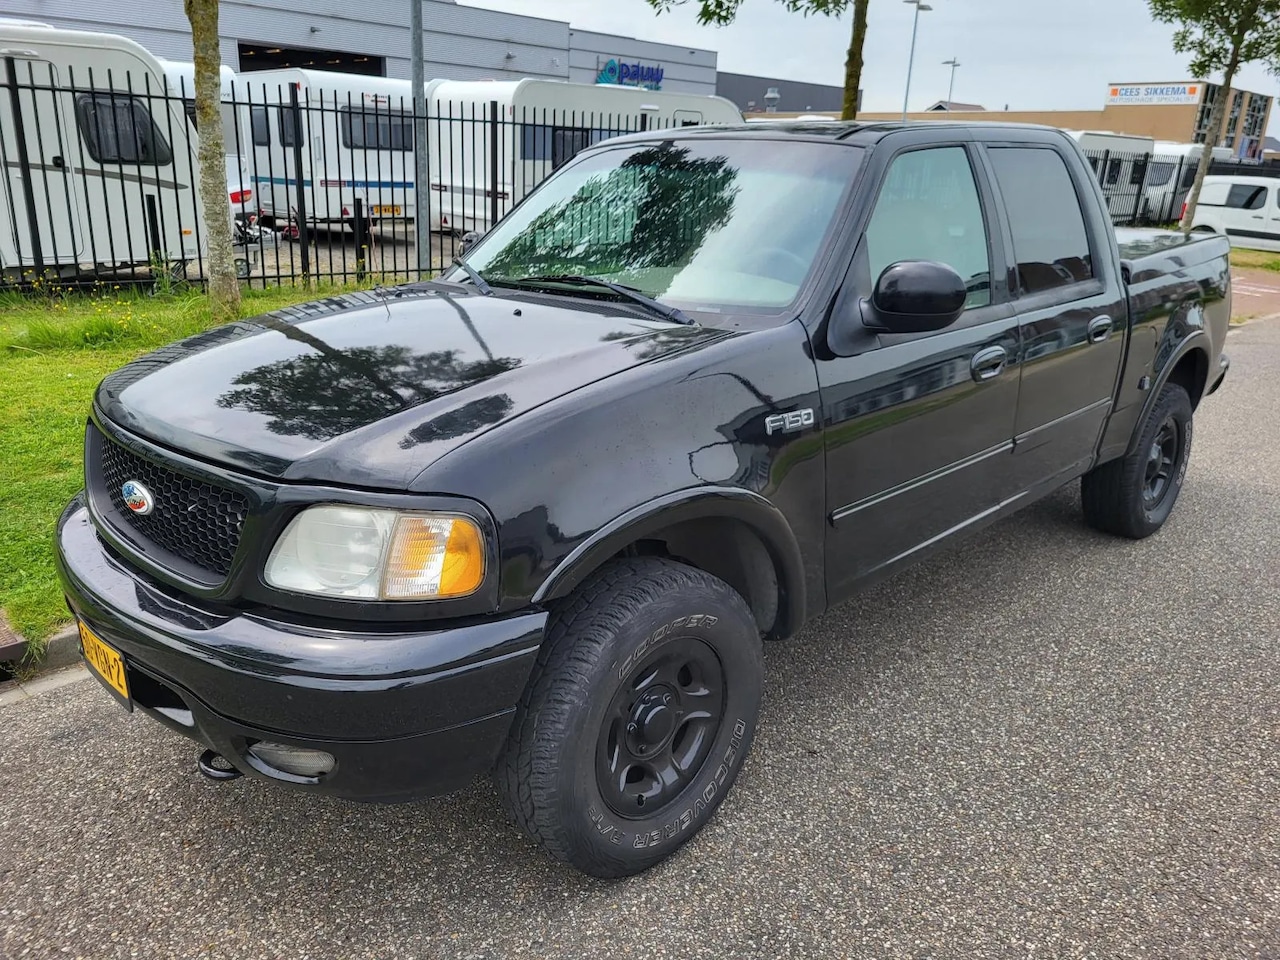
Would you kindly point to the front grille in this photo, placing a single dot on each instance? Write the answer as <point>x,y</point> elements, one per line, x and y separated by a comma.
<point>192,519</point>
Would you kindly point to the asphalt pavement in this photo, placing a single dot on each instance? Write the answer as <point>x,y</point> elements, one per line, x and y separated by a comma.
<point>1046,743</point>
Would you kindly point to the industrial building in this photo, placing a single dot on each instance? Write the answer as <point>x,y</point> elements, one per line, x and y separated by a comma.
<point>1176,112</point>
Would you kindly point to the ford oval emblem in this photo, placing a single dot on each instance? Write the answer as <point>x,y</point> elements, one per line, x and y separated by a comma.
<point>137,498</point>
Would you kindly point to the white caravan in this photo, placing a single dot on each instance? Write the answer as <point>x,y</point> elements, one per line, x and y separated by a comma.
<point>96,171</point>
<point>1171,174</point>
<point>1120,162</point>
<point>352,138</point>
<point>541,124</point>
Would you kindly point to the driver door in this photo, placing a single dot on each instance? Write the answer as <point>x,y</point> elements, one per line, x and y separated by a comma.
<point>919,427</point>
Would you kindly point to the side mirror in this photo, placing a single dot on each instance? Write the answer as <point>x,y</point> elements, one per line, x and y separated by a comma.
<point>915,296</point>
<point>469,240</point>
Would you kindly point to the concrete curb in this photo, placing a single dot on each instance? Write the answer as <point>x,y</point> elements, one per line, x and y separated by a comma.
<point>60,650</point>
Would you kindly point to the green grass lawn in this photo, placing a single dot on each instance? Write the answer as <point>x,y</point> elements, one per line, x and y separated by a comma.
<point>53,353</point>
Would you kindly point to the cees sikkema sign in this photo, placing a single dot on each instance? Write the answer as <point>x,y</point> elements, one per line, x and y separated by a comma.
<point>1139,94</point>
<point>631,75</point>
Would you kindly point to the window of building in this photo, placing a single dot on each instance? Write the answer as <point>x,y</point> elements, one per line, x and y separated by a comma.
<point>1049,237</point>
<point>376,130</point>
<point>261,129</point>
<point>928,209</point>
<point>1244,196</point>
<point>117,128</point>
<point>268,56</point>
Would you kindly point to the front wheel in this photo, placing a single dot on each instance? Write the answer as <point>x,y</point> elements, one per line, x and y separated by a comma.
<point>1133,496</point>
<point>638,717</point>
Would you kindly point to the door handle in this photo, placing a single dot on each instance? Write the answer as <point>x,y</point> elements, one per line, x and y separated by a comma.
<point>1099,329</point>
<point>989,363</point>
<point>57,162</point>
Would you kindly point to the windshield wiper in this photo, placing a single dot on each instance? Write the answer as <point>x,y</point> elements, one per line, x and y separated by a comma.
<point>674,314</point>
<point>474,275</point>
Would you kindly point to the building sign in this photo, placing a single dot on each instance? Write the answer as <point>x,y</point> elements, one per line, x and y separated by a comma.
<point>644,75</point>
<point>1141,94</point>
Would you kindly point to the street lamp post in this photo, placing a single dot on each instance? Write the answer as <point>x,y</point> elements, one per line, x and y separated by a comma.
<point>915,23</point>
<point>951,87</point>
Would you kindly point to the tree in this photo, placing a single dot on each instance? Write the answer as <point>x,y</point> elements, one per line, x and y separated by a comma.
<point>1220,35</point>
<point>224,287</point>
<point>723,12</point>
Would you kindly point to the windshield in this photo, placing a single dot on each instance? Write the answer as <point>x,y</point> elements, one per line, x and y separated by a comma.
<point>714,222</point>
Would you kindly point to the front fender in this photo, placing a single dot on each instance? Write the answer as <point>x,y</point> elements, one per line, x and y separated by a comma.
<point>698,503</point>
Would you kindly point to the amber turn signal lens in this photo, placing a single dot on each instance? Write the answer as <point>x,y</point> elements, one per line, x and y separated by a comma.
<point>433,558</point>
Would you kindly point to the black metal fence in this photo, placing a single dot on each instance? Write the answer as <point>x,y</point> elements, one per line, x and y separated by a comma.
<point>101,176</point>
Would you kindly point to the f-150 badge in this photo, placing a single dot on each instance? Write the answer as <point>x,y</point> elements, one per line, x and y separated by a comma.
<point>789,422</point>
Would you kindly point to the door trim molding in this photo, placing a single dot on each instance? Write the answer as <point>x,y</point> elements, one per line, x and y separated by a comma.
<point>843,513</point>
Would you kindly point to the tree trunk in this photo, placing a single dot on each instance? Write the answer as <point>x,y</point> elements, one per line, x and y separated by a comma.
<point>224,288</point>
<point>1216,117</point>
<point>853,63</point>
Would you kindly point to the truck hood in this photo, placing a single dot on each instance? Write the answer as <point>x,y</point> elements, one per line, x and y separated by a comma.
<point>369,389</point>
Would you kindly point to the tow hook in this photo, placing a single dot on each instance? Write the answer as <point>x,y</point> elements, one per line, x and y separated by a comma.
<point>217,767</point>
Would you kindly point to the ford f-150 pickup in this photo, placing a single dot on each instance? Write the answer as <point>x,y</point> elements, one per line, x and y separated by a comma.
<point>534,519</point>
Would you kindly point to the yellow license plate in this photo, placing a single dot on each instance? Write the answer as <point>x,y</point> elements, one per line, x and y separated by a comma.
<point>386,211</point>
<point>105,661</point>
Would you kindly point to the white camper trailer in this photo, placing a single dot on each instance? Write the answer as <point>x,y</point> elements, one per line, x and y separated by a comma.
<point>1171,175</point>
<point>96,171</point>
<point>541,124</point>
<point>1120,162</point>
<point>351,138</point>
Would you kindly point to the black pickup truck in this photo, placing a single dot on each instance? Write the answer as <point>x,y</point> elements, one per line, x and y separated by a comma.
<point>535,519</point>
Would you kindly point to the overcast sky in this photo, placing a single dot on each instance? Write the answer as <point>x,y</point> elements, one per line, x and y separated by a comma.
<point>1028,54</point>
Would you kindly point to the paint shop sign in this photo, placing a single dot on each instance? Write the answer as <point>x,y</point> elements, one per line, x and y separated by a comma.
<point>1142,94</point>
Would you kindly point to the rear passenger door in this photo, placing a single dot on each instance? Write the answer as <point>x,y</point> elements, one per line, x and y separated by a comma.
<point>1072,311</point>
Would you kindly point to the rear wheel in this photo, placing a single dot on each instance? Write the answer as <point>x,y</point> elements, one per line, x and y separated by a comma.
<point>638,717</point>
<point>1133,496</point>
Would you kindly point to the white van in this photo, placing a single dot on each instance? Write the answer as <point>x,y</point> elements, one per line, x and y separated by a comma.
<point>1170,176</point>
<point>1120,162</point>
<point>96,175</point>
<point>541,124</point>
<point>353,137</point>
<point>1245,209</point>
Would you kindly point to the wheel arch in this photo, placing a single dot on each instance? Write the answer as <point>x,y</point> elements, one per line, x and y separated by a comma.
<point>1187,366</point>
<point>733,534</point>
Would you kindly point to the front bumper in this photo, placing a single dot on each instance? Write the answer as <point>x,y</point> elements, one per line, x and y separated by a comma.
<point>406,714</point>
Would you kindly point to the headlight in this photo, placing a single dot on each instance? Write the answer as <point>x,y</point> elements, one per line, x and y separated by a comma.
<point>363,553</point>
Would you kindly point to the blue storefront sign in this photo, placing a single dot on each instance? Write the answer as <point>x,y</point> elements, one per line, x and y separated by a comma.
<point>644,75</point>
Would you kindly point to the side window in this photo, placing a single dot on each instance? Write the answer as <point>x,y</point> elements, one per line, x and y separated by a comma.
<point>118,128</point>
<point>1113,171</point>
<point>261,128</point>
<point>290,127</point>
<point>1138,175</point>
<point>1049,238</point>
<point>928,209</point>
<point>1245,196</point>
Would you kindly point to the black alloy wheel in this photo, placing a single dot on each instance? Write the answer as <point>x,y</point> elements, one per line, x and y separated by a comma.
<point>659,728</point>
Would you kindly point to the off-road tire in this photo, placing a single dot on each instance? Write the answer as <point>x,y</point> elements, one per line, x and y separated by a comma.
<point>1113,493</point>
<point>633,615</point>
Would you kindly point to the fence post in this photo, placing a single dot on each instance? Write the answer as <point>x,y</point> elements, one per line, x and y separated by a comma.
<point>24,165</point>
<point>1142,191</point>
<point>304,236</point>
<point>494,180</point>
<point>1176,191</point>
<point>362,240</point>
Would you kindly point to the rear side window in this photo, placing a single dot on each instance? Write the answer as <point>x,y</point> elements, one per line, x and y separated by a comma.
<point>117,128</point>
<point>1113,171</point>
<point>261,127</point>
<point>1245,196</point>
<point>1049,238</point>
